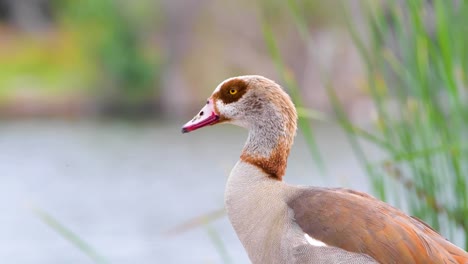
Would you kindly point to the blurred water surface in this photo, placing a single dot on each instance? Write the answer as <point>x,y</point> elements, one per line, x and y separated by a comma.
<point>120,186</point>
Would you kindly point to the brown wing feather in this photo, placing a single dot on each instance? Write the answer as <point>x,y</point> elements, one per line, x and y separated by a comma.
<point>359,223</point>
<point>459,254</point>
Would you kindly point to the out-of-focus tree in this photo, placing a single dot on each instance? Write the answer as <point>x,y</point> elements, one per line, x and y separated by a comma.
<point>56,55</point>
<point>117,37</point>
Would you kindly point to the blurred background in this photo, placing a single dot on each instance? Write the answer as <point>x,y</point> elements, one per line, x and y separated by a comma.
<point>93,168</point>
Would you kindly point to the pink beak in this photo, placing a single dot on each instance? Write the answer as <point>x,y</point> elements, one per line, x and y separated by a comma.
<point>206,116</point>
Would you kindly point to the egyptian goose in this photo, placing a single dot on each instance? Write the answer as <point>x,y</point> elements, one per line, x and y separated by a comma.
<point>280,223</point>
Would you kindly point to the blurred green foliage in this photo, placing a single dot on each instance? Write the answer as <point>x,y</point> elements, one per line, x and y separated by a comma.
<point>116,36</point>
<point>52,64</point>
<point>97,48</point>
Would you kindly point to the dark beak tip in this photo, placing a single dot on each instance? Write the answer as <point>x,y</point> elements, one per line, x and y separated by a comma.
<point>184,130</point>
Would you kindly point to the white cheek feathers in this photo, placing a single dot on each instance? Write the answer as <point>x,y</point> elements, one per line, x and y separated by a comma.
<point>230,112</point>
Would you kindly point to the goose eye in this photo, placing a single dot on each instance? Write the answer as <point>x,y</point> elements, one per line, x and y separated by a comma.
<point>233,91</point>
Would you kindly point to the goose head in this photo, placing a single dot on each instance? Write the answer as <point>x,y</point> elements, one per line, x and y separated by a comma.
<point>259,105</point>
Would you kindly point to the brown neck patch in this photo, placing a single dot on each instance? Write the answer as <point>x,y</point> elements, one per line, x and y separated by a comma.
<point>226,93</point>
<point>274,165</point>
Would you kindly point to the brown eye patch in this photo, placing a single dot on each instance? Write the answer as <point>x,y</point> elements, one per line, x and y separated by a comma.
<point>231,91</point>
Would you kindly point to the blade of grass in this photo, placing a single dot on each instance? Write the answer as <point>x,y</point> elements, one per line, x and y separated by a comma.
<point>204,221</point>
<point>311,114</point>
<point>68,235</point>
<point>218,243</point>
<point>196,222</point>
